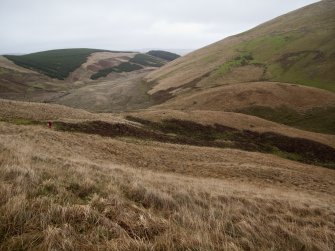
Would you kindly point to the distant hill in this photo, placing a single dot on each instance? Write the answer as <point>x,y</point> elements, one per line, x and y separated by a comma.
<point>168,56</point>
<point>60,63</point>
<point>54,63</point>
<point>98,80</point>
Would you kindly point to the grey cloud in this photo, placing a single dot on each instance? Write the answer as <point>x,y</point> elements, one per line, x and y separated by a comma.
<point>34,25</point>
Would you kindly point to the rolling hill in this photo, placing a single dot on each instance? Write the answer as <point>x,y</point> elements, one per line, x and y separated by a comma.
<point>61,76</point>
<point>60,63</point>
<point>55,63</point>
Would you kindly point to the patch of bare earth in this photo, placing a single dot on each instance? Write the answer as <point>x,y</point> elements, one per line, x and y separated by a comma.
<point>98,61</point>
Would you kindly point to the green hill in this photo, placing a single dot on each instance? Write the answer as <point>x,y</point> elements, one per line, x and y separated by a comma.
<point>168,56</point>
<point>54,63</point>
<point>60,63</point>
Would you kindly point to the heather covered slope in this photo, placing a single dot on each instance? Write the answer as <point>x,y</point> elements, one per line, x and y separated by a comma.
<point>70,190</point>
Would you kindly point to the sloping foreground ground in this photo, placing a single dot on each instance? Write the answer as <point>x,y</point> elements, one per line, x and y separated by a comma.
<point>78,191</point>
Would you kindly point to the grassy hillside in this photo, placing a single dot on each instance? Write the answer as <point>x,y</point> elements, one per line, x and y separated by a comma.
<point>299,106</point>
<point>55,63</point>
<point>295,48</point>
<point>286,54</point>
<point>98,188</point>
<point>168,56</point>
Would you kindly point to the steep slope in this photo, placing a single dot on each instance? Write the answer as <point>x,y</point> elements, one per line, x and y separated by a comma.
<point>296,48</point>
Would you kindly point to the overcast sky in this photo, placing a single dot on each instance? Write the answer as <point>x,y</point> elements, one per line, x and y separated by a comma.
<point>35,25</point>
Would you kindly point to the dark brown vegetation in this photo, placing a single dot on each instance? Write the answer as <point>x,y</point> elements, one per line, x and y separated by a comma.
<point>187,132</point>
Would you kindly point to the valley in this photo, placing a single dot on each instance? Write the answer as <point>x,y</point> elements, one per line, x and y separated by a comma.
<point>230,147</point>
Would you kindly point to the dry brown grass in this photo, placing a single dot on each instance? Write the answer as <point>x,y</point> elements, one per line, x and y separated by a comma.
<point>44,112</point>
<point>243,95</point>
<point>71,191</point>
